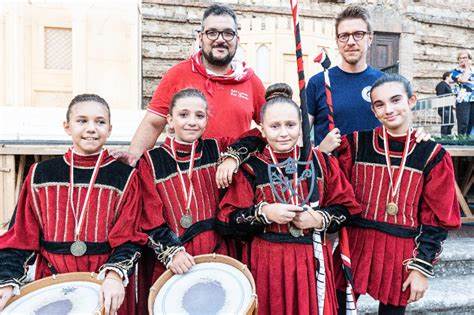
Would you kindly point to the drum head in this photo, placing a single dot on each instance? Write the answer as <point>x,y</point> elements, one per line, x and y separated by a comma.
<point>73,293</point>
<point>212,286</point>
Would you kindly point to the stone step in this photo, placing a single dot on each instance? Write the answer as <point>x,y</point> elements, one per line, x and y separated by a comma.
<point>457,258</point>
<point>449,295</point>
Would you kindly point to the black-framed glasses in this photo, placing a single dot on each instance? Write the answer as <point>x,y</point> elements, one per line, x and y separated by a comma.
<point>357,36</point>
<point>227,35</point>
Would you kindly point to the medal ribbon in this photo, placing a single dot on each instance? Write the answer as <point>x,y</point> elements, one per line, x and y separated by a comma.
<point>78,224</point>
<point>294,198</point>
<point>391,174</point>
<point>188,195</point>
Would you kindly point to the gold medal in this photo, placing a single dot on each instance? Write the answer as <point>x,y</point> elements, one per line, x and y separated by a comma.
<point>186,221</point>
<point>294,231</point>
<point>395,182</point>
<point>392,208</point>
<point>78,248</point>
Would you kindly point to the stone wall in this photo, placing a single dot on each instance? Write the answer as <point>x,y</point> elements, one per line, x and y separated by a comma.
<point>431,33</point>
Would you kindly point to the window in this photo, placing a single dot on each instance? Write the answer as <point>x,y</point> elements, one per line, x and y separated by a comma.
<point>57,48</point>
<point>263,63</point>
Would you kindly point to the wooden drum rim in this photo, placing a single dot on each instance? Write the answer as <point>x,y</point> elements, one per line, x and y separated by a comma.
<point>207,258</point>
<point>57,279</point>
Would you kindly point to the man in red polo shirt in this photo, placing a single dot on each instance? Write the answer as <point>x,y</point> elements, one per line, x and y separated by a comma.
<point>234,92</point>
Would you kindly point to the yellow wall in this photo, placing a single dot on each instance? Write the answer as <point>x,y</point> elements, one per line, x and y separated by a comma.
<point>93,47</point>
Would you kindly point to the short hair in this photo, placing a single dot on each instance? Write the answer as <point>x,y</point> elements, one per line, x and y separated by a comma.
<point>462,52</point>
<point>218,10</point>
<point>393,77</point>
<point>354,12</point>
<point>279,93</point>
<point>446,74</point>
<point>81,98</point>
<point>185,93</point>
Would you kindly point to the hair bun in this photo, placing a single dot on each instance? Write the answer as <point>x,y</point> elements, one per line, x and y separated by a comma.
<point>278,90</point>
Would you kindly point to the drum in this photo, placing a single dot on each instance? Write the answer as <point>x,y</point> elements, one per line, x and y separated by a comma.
<point>217,284</point>
<point>68,293</point>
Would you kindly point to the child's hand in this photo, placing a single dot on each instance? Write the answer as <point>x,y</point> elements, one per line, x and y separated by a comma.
<point>225,171</point>
<point>421,135</point>
<point>112,293</point>
<point>306,220</point>
<point>125,157</point>
<point>280,213</point>
<point>331,141</point>
<point>418,284</point>
<point>181,262</point>
<point>5,294</point>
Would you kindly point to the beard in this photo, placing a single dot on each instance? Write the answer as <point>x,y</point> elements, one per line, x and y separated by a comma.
<point>219,62</point>
<point>353,60</point>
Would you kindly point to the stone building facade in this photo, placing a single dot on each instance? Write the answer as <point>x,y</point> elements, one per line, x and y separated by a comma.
<point>422,37</point>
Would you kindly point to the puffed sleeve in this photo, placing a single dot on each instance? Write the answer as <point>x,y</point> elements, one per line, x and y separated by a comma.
<point>238,215</point>
<point>125,238</point>
<point>346,154</point>
<point>18,244</point>
<point>438,211</point>
<point>161,239</point>
<point>338,202</point>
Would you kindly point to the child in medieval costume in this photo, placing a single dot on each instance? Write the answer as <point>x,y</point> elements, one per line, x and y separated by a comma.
<point>288,205</point>
<point>77,213</point>
<point>406,190</point>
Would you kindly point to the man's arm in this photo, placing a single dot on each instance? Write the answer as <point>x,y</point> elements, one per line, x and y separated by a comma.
<point>147,133</point>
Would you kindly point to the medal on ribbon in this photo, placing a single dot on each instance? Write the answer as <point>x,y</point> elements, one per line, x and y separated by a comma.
<point>78,247</point>
<point>392,208</point>
<point>186,219</point>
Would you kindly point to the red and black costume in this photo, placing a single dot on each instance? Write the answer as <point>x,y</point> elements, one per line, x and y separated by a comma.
<point>284,266</point>
<point>43,223</point>
<point>384,247</point>
<point>164,200</point>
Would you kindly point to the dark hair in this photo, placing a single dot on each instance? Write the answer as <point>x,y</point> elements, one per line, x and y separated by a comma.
<point>189,92</point>
<point>446,74</point>
<point>81,98</point>
<point>387,78</point>
<point>218,10</point>
<point>354,12</point>
<point>278,93</point>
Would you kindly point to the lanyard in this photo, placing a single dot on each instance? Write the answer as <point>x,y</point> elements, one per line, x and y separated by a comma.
<point>78,221</point>
<point>391,173</point>
<point>187,194</point>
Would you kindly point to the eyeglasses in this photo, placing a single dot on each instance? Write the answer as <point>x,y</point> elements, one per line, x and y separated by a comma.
<point>227,35</point>
<point>357,36</point>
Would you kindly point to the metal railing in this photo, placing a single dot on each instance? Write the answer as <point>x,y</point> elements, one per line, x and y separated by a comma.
<point>436,114</point>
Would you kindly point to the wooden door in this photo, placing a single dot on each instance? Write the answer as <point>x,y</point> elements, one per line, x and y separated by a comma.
<point>384,51</point>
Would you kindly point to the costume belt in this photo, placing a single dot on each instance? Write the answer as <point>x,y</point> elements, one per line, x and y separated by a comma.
<point>64,248</point>
<point>392,229</point>
<point>286,238</point>
<point>197,228</point>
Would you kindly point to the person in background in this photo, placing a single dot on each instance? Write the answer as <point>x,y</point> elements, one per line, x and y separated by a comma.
<point>350,81</point>
<point>233,91</point>
<point>446,113</point>
<point>463,76</point>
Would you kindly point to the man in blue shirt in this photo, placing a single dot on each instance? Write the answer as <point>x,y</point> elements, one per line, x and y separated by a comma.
<point>350,81</point>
